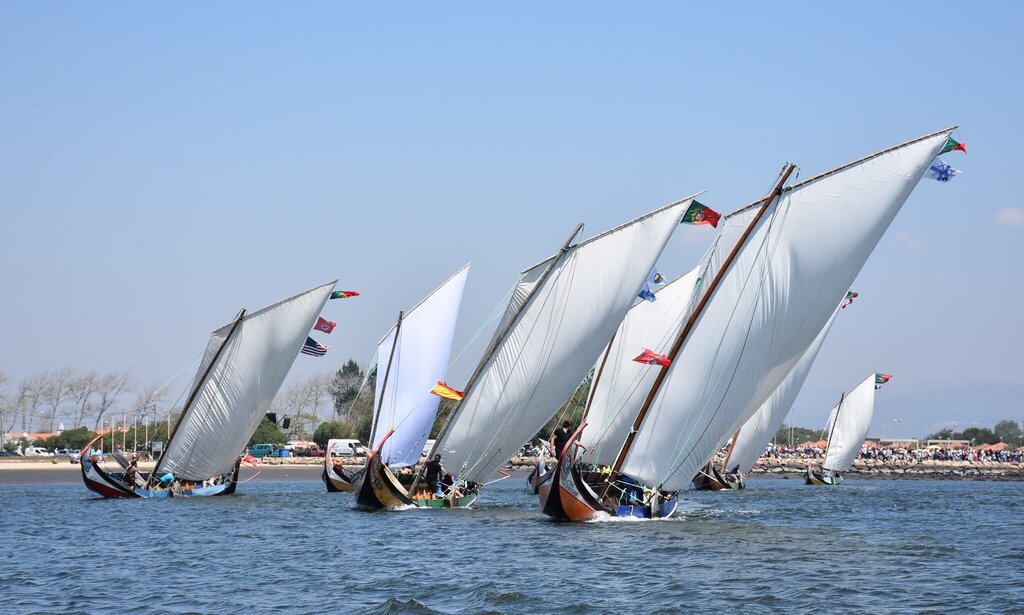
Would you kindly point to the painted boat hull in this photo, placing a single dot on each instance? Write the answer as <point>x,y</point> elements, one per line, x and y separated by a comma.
<point>335,482</point>
<point>816,478</point>
<point>710,479</point>
<point>462,502</point>
<point>378,488</point>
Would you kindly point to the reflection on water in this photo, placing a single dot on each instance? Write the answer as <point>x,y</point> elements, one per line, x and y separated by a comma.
<point>287,546</point>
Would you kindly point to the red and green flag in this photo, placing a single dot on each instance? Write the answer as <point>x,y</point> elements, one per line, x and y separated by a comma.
<point>650,357</point>
<point>953,145</point>
<point>701,214</point>
<point>344,294</point>
<point>850,296</point>
<point>881,378</point>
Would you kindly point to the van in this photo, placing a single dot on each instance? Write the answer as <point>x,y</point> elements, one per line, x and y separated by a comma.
<point>426,448</point>
<point>346,447</point>
<point>263,450</point>
<point>35,451</point>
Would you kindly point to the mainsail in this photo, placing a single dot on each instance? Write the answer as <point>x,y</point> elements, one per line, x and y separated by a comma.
<point>413,366</point>
<point>621,384</point>
<point>757,432</point>
<point>773,300</point>
<point>565,311</point>
<point>849,421</point>
<point>236,384</point>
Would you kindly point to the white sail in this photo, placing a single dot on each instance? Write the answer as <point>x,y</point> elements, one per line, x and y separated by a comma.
<point>418,362</point>
<point>553,341</point>
<point>237,392</point>
<point>771,303</point>
<point>759,429</point>
<point>851,417</point>
<point>622,385</point>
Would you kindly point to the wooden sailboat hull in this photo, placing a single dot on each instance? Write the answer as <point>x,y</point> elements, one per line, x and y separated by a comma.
<point>710,479</point>
<point>336,482</point>
<point>379,489</point>
<point>579,501</point>
<point>538,477</point>
<point>550,500</point>
<point>112,485</point>
<point>461,502</point>
<point>818,478</point>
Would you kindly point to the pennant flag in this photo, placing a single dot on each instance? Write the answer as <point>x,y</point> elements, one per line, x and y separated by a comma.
<point>322,324</point>
<point>700,214</point>
<point>953,145</point>
<point>646,293</point>
<point>940,171</point>
<point>443,390</point>
<point>881,378</point>
<point>652,358</point>
<point>850,296</point>
<point>313,349</point>
<point>344,294</point>
<point>656,278</point>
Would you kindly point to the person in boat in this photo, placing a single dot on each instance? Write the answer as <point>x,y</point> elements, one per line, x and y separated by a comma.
<point>132,471</point>
<point>561,437</point>
<point>449,488</point>
<point>434,472</point>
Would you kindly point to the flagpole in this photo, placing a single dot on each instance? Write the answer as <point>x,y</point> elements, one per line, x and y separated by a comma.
<point>684,334</point>
<point>192,397</point>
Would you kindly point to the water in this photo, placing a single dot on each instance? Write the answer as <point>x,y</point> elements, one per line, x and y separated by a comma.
<point>287,546</point>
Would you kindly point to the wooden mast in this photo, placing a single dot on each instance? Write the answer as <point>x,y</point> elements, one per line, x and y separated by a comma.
<point>786,172</point>
<point>732,445</point>
<point>387,372</point>
<point>833,430</point>
<point>192,396</point>
<point>498,340</point>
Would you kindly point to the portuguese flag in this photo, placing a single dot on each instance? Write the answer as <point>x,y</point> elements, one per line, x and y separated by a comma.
<point>850,296</point>
<point>344,294</point>
<point>443,390</point>
<point>701,214</point>
<point>953,145</point>
<point>881,378</point>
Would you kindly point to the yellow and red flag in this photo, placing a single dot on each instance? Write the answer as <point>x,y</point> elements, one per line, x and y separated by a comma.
<point>443,390</point>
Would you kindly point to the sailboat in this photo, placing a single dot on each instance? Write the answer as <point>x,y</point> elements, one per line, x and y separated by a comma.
<point>774,272</point>
<point>847,425</point>
<point>241,371</point>
<point>750,441</point>
<point>552,330</point>
<point>618,390</point>
<point>335,478</point>
<point>413,357</point>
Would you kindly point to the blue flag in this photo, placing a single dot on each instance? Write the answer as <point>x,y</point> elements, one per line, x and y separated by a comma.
<point>654,279</point>
<point>940,171</point>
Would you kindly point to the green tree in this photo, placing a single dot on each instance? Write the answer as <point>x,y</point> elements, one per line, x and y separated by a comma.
<point>268,433</point>
<point>70,438</point>
<point>330,430</point>
<point>345,386</point>
<point>800,434</point>
<point>979,435</point>
<point>1010,432</point>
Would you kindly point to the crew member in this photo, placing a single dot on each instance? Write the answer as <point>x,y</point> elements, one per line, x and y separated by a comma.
<point>434,471</point>
<point>561,437</point>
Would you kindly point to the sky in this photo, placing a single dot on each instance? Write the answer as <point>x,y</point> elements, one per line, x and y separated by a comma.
<point>162,166</point>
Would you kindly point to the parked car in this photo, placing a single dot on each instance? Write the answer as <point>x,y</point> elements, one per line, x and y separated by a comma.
<point>6,453</point>
<point>37,451</point>
<point>348,448</point>
<point>68,453</point>
<point>308,451</point>
<point>263,450</point>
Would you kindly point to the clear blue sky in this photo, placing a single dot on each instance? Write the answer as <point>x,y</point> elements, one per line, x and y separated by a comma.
<point>162,166</point>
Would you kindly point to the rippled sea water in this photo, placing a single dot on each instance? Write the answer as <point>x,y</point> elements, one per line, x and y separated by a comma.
<point>288,546</point>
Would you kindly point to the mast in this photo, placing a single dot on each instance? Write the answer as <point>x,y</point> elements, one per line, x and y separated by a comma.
<point>195,392</point>
<point>835,420</point>
<point>732,445</point>
<point>765,203</point>
<point>500,338</point>
<point>387,372</point>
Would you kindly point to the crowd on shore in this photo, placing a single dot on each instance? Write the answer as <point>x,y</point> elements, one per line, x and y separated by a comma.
<point>901,454</point>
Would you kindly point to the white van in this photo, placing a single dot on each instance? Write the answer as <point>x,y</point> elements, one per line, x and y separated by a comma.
<point>35,451</point>
<point>346,447</point>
